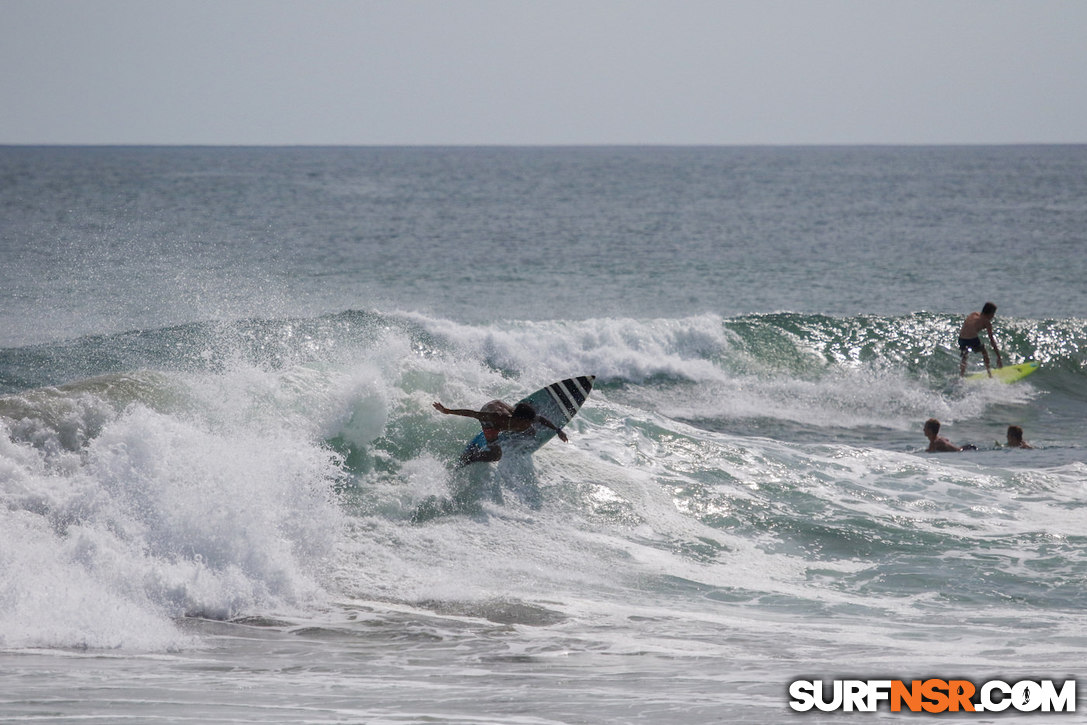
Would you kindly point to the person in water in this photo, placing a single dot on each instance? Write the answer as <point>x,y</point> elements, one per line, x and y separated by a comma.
<point>939,444</point>
<point>498,417</point>
<point>970,337</point>
<point>1015,438</point>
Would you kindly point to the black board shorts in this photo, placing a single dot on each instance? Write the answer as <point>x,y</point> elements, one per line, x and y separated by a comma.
<point>973,343</point>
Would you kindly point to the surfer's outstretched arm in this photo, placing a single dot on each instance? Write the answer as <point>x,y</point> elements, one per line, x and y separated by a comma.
<point>484,416</point>
<point>456,411</point>
<point>552,426</point>
<point>992,341</point>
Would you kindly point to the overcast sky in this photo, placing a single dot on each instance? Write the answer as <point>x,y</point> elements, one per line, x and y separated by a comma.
<point>543,71</point>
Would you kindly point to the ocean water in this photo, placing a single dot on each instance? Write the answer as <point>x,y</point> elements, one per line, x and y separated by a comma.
<point>216,435</point>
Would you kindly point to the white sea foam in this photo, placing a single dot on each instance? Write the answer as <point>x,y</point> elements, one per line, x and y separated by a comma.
<point>611,349</point>
<point>156,516</point>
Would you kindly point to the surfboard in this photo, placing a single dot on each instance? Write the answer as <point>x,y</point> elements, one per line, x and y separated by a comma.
<point>1008,373</point>
<point>558,402</point>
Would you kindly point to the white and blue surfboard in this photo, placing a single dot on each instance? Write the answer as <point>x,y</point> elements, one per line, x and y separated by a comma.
<point>558,402</point>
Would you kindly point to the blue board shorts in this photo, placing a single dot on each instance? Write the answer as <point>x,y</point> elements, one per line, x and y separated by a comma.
<point>973,343</point>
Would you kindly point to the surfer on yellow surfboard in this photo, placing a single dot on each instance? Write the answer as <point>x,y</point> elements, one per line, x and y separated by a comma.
<point>970,338</point>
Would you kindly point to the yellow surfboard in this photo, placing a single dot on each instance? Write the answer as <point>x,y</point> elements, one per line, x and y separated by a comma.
<point>1008,373</point>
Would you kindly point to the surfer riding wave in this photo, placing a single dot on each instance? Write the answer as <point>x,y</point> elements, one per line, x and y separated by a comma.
<point>497,417</point>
